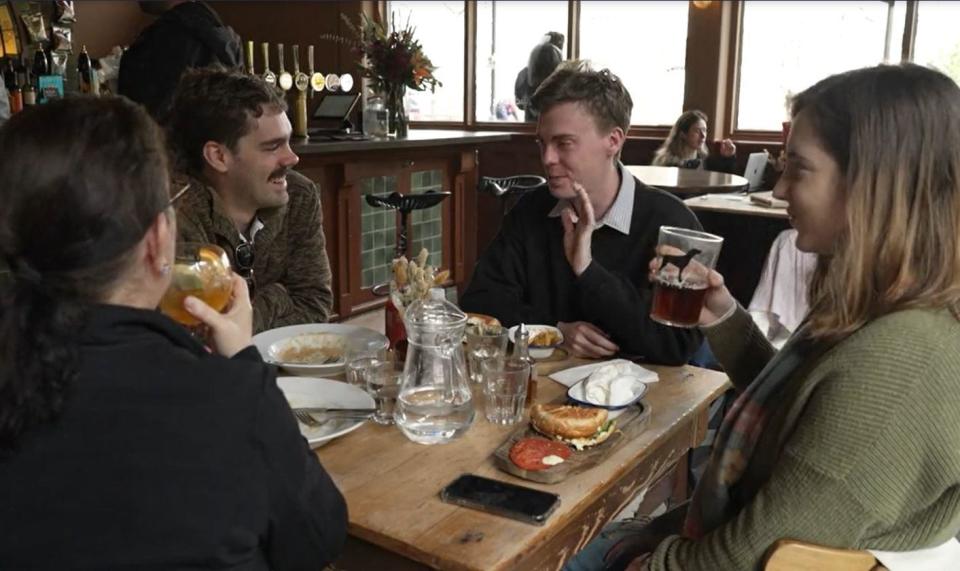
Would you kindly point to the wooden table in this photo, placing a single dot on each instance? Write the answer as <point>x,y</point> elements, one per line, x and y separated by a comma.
<point>392,485</point>
<point>688,181</point>
<point>733,204</point>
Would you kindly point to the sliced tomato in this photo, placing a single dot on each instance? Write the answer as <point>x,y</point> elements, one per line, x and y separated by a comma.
<point>528,453</point>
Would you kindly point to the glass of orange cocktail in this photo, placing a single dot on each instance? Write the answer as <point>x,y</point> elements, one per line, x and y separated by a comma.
<point>200,270</point>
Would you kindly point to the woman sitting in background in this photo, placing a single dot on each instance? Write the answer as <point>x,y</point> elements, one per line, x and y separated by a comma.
<point>124,443</point>
<point>686,146</point>
<point>848,437</point>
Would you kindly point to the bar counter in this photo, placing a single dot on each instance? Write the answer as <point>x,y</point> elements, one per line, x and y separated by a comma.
<point>361,239</point>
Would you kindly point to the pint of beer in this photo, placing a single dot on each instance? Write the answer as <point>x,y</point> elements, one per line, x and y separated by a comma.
<point>680,283</point>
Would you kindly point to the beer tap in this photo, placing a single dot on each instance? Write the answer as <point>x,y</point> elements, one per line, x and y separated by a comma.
<point>250,64</point>
<point>269,77</point>
<point>301,82</point>
<point>316,78</point>
<point>284,80</point>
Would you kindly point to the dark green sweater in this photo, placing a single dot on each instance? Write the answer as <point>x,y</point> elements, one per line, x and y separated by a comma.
<point>524,275</point>
<point>863,451</point>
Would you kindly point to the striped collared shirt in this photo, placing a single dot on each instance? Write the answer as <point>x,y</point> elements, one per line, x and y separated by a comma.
<point>620,214</point>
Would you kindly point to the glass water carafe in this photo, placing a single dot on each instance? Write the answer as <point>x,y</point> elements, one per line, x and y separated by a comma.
<point>435,403</point>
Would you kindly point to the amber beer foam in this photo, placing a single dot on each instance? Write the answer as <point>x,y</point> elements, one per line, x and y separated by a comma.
<point>676,304</point>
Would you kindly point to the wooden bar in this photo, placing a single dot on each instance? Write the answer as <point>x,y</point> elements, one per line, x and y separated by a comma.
<point>340,168</point>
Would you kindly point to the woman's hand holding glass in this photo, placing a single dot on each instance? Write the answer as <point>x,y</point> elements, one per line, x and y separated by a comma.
<point>716,302</point>
<point>231,331</point>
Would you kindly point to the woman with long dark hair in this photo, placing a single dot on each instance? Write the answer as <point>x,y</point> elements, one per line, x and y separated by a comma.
<point>123,441</point>
<point>686,146</point>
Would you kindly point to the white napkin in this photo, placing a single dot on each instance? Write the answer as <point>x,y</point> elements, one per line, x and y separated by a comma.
<point>944,557</point>
<point>569,377</point>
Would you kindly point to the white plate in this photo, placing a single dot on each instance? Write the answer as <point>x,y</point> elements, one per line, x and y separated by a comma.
<point>352,334</point>
<point>309,392</point>
<point>538,351</point>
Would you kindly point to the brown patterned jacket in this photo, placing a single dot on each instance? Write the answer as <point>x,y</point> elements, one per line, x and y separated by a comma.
<point>291,269</point>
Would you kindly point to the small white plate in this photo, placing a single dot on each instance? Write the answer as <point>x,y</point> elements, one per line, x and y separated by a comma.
<point>310,392</point>
<point>352,334</point>
<point>575,393</point>
<point>538,351</point>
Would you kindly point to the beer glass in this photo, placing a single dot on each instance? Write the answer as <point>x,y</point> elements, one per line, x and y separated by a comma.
<point>200,270</point>
<point>680,283</point>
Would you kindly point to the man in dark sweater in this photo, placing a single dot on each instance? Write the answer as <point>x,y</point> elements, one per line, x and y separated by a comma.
<point>576,252</point>
<point>186,35</point>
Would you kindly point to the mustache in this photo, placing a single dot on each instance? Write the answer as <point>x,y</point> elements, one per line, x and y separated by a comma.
<point>281,172</point>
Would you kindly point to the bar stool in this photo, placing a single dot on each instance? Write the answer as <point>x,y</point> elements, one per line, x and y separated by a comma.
<point>509,187</point>
<point>404,204</point>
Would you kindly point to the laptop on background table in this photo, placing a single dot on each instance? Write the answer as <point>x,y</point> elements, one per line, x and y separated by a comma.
<point>756,166</point>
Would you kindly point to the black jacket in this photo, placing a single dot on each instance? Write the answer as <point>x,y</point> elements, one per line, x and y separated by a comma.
<point>188,35</point>
<point>167,457</point>
<point>524,276</point>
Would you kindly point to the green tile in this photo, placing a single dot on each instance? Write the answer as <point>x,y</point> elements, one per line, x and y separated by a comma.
<point>378,257</point>
<point>367,262</point>
<point>391,184</point>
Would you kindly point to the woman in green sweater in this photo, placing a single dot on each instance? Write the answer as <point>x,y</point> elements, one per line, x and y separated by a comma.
<point>850,435</point>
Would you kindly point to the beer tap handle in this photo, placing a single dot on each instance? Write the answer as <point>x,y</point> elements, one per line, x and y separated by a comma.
<point>250,63</point>
<point>296,59</point>
<point>280,57</point>
<point>310,58</point>
<point>265,49</point>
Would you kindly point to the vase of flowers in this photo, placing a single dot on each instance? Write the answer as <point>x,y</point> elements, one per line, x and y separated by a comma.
<point>398,113</point>
<point>393,61</point>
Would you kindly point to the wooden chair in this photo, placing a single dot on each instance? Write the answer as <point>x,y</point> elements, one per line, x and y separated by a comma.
<point>793,555</point>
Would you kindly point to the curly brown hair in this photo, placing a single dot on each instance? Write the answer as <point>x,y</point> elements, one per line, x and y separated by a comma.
<point>215,104</point>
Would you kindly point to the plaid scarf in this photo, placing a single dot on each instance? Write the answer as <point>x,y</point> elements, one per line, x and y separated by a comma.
<point>712,504</point>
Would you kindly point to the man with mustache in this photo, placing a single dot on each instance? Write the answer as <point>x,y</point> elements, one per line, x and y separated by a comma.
<point>230,136</point>
<point>576,252</point>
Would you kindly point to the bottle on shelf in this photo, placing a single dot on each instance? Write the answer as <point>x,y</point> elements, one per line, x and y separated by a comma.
<point>40,64</point>
<point>28,91</point>
<point>85,72</point>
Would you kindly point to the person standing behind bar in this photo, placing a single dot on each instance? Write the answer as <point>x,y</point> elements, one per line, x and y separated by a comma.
<point>187,34</point>
<point>231,136</point>
<point>575,251</point>
<point>124,442</point>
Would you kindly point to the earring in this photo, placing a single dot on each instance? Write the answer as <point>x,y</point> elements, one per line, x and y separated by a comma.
<point>164,269</point>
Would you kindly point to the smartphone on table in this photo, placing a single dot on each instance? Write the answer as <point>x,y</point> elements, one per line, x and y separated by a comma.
<point>501,498</point>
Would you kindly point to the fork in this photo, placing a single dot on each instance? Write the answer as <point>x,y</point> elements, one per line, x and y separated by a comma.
<point>307,419</point>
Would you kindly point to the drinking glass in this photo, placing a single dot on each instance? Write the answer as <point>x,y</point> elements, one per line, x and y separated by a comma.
<point>200,270</point>
<point>383,384</point>
<point>482,346</point>
<point>362,354</point>
<point>680,284</point>
<point>505,390</point>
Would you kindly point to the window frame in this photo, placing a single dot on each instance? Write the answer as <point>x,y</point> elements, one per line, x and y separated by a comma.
<point>727,86</point>
<point>469,122</point>
<point>732,79</point>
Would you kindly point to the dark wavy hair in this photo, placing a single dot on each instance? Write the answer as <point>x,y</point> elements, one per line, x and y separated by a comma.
<point>600,92</point>
<point>215,104</point>
<point>82,180</point>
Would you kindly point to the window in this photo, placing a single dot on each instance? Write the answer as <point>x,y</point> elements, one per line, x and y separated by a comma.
<point>645,45</point>
<point>439,28</point>
<point>8,32</point>
<point>781,55</point>
<point>937,43</point>
<point>505,37</point>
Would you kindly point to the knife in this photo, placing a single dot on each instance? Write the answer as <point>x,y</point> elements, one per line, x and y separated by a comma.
<point>333,410</point>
